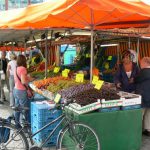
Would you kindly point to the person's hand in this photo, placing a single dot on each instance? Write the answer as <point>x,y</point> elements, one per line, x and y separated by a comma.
<point>118,85</point>
<point>30,79</point>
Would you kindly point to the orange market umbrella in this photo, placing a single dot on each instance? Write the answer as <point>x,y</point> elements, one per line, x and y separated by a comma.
<point>90,14</point>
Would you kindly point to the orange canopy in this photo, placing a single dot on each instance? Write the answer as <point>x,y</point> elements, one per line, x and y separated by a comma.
<point>99,14</point>
<point>11,48</point>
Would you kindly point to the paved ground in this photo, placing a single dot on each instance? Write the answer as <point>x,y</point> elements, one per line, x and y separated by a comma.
<point>5,110</point>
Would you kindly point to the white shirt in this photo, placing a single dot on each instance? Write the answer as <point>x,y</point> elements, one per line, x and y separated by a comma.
<point>12,65</point>
<point>128,74</point>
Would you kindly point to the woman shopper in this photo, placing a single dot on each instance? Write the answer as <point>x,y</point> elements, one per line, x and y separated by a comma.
<point>20,92</point>
<point>143,88</point>
<point>11,67</point>
<point>126,73</point>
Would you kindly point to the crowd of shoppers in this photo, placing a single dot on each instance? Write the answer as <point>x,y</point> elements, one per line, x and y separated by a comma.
<point>16,71</point>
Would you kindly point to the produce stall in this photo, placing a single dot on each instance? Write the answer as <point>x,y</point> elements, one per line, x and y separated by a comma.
<point>120,130</point>
<point>116,119</point>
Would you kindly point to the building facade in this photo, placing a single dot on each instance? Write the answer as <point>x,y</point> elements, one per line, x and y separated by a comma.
<point>13,4</point>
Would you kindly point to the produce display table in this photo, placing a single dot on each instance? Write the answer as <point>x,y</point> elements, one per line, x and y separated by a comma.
<point>120,130</point>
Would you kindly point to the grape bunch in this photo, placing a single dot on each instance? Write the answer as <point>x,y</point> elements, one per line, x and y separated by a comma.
<point>87,94</point>
<point>68,93</point>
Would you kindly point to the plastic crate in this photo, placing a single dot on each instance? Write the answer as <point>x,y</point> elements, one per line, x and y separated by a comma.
<point>112,109</point>
<point>39,125</point>
<point>42,112</point>
<point>84,109</point>
<point>44,133</point>
<point>111,103</point>
<point>130,99</point>
<point>131,107</point>
<point>38,139</point>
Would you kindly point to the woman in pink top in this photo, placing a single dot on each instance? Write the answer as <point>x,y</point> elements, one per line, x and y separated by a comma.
<point>20,92</point>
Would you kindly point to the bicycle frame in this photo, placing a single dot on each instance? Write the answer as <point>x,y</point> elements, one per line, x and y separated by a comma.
<point>61,118</point>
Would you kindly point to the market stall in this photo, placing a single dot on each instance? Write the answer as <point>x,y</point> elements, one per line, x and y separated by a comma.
<point>120,130</point>
<point>111,115</point>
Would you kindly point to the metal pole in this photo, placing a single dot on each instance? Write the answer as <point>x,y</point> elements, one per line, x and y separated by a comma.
<point>46,53</point>
<point>6,4</point>
<point>1,79</point>
<point>29,2</point>
<point>92,43</point>
<point>12,46</point>
<point>25,46</point>
<point>138,45</point>
<point>129,43</point>
<point>118,55</point>
<point>91,65</point>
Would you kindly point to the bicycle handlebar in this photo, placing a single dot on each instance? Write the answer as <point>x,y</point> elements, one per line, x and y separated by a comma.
<point>19,108</point>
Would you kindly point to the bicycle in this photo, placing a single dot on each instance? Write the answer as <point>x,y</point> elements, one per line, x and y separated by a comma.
<point>73,135</point>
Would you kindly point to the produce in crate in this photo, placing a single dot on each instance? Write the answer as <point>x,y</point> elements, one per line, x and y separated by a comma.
<point>41,84</point>
<point>92,95</point>
<point>61,84</point>
<point>68,93</point>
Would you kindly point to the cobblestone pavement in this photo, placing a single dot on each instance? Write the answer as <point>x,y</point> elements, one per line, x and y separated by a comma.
<point>5,111</point>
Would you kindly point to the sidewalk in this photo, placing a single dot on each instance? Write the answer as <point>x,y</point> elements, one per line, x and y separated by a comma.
<point>5,111</point>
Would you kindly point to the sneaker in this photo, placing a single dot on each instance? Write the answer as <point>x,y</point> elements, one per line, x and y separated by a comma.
<point>147,133</point>
<point>4,99</point>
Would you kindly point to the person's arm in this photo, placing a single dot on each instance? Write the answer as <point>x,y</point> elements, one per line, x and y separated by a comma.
<point>25,79</point>
<point>8,70</point>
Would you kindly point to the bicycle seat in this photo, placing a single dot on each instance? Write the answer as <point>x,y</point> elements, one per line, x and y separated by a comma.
<point>20,108</point>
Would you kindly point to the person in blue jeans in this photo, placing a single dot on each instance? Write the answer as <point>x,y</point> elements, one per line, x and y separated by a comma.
<point>20,92</point>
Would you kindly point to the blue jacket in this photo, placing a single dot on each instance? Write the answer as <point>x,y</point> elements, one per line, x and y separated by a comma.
<point>143,86</point>
<point>121,77</point>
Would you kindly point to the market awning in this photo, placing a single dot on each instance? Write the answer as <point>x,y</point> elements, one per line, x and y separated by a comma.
<point>11,48</point>
<point>101,14</point>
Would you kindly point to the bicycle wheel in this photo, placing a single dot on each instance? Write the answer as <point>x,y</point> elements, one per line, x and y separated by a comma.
<point>16,139</point>
<point>84,138</point>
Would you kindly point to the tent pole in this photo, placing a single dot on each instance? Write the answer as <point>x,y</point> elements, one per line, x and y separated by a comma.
<point>91,65</point>
<point>46,53</point>
<point>1,79</point>
<point>12,46</point>
<point>129,43</point>
<point>118,54</point>
<point>138,45</point>
<point>25,46</point>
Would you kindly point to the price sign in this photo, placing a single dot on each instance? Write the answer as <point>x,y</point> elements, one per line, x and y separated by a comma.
<point>67,70</point>
<point>79,77</point>
<point>95,79</point>
<point>99,84</point>
<point>57,98</point>
<point>56,69</point>
<point>87,55</point>
<point>65,74</point>
<point>106,66</point>
<point>109,58</point>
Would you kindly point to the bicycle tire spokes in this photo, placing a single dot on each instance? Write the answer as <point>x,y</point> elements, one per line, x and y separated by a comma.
<point>80,137</point>
<point>14,142</point>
